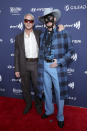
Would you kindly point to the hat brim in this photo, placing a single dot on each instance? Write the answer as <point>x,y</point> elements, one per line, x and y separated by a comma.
<point>55,12</point>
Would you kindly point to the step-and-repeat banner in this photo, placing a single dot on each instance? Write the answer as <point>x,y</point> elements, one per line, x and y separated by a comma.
<point>74,18</point>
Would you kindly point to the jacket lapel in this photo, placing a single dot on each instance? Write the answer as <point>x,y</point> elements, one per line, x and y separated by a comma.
<point>37,37</point>
<point>22,41</point>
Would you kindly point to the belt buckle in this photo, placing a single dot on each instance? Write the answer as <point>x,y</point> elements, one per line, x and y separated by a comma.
<point>31,59</point>
<point>48,60</point>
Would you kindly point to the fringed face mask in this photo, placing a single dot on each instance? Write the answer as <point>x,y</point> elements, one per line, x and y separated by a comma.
<point>49,18</point>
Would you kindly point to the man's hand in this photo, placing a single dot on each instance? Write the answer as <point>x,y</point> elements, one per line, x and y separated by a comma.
<point>17,74</point>
<point>54,64</point>
<point>61,27</point>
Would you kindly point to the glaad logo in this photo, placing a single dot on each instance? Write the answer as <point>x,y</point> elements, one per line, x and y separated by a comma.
<point>70,71</point>
<point>39,26</point>
<point>15,10</point>
<point>75,7</point>
<point>17,91</point>
<point>2,89</point>
<point>16,80</point>
<point>12,41</point>
<point>10,67</point>
<point>76,25</point>
<point>0,78</point>
<point>76,41</point>
<point>0,11</point>
<point>19,26</point>
<point>12,54</point>
<point>72,98</point>
<point>1,40</point>
<point>85,72</point>
<point>74,57</point>
<point>71,85</point>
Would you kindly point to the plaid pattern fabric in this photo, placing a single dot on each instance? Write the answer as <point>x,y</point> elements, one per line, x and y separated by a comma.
<point>63,52</point>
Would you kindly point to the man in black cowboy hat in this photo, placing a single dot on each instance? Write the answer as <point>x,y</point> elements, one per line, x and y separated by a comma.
<point>55,51</point>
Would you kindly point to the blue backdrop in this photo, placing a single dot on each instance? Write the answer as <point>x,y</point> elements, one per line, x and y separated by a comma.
<point>74,18</point>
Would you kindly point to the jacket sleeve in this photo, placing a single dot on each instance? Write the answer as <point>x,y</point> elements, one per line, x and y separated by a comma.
<point>16,59</point>
<point>68,47</point>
